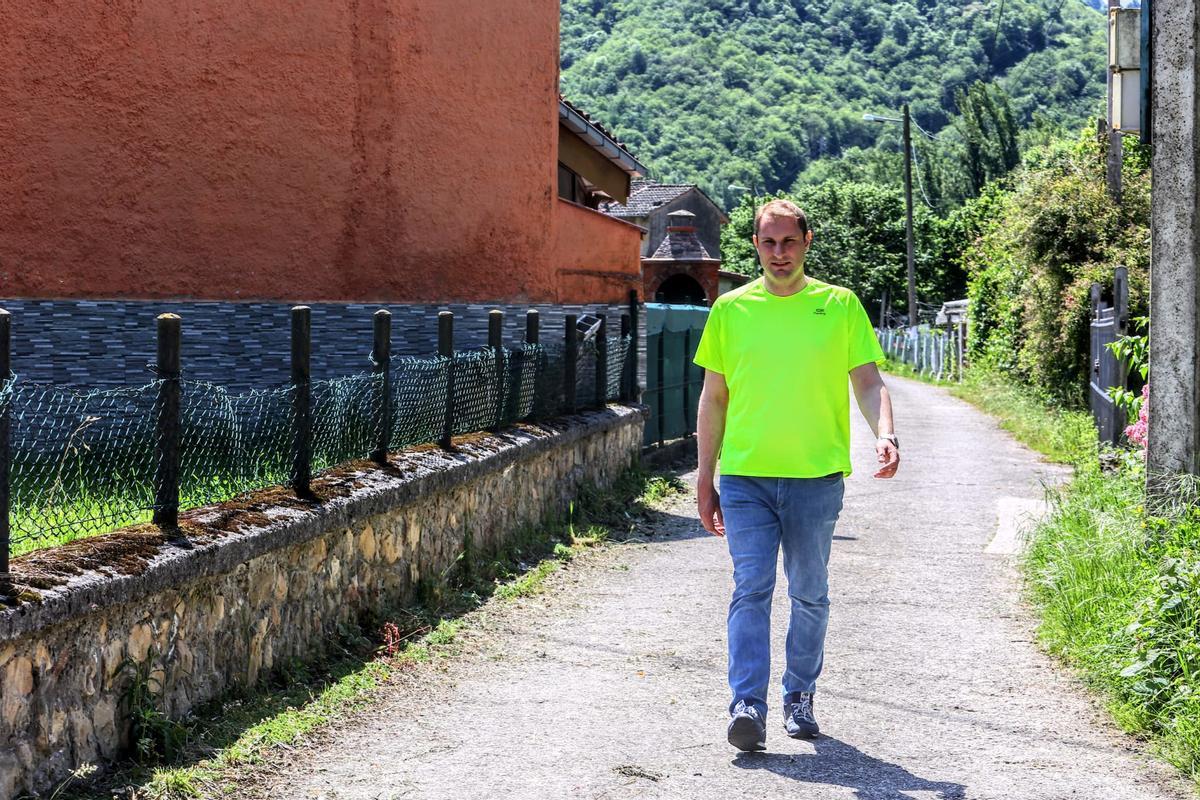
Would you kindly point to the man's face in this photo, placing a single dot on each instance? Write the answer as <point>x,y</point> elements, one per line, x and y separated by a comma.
<point>781,248</point>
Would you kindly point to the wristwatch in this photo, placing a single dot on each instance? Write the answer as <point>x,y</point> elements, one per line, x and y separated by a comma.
<point>891,437</point>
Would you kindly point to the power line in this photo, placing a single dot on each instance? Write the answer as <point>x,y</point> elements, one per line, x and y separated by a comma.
<point>1025,64</point>
<point>996,33</point>
<point>920,183</point>
<point>933,137</point>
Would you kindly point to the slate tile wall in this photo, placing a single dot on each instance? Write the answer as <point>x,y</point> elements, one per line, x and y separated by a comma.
<point>104,344</point>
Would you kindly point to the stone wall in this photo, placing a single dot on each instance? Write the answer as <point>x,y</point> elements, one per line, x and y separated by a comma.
<point>248,586</point>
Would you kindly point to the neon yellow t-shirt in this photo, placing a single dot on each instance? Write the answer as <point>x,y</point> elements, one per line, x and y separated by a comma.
<point>785,361</point>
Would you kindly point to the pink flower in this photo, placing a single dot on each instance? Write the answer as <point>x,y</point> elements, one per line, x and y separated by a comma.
<point>1137,432</point>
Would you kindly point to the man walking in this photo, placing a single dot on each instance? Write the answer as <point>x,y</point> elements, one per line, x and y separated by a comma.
<point>776,354</point>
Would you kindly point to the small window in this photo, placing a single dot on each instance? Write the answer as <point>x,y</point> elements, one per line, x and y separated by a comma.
<point>568,184</point>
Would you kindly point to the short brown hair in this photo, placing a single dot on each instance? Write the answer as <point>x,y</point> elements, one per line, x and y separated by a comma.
<point>781,208</point>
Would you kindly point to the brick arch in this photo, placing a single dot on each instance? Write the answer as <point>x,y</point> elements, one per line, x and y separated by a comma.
<point>654,273</point>
<point>682,283</point>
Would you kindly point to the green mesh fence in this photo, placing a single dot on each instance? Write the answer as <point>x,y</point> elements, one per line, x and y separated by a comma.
<point>549,397</point>
<point>585,374</point>
<point>83,463</point>
<point>524,367</point>
<point>232,443</point>
<point>476,391</point>
<point>345,424</point>
<point>418,400</point>
<point>617,350</point>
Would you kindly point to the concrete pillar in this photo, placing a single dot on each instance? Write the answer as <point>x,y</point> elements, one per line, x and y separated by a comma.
<point>1175,214</point>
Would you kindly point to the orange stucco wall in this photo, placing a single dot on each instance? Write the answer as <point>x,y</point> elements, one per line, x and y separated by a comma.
<point>400,150</point>
<point>598,257</point>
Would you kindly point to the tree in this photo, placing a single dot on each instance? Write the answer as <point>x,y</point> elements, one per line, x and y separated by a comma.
<point>781,84</point>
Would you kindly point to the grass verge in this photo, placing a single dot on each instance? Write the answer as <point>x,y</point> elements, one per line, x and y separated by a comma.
<point>1062,435</point>
<point>226,736</point>
<point>1118,592</point>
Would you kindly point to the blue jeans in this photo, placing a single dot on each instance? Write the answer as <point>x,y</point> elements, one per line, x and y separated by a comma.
<point>761,514</point>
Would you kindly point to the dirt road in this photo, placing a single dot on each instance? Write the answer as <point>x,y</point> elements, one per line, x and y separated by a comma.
<point>612,685</point>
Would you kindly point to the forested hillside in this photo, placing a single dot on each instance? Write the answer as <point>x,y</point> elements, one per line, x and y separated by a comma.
<point>770,94</point>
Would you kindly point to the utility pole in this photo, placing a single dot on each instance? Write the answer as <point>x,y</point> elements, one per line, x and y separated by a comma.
<point>908,218</point>
<point>1174,439</point>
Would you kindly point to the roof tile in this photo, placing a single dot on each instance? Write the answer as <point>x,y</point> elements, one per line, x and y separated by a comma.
<point>644,197</point>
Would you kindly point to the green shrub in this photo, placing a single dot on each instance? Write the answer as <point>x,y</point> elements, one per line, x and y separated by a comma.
<point>1042,241</point>
<point>1119,595</point>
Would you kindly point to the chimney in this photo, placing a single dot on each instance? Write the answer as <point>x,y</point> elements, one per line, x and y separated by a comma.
<point>681,221</point>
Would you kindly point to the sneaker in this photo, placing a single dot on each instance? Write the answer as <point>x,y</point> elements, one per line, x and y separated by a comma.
<point>747,729</point>
<point>798,718</point>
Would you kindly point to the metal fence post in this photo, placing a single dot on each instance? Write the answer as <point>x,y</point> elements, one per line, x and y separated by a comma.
<point>446,350</point>
<point>381,359</point>
<point>962,349</point>
<point>532,333</point>
<point>532,325</point>
<point>662,395</point>
<point>166,471</point>
<point>602,363</point>
<point>5,451</point>
<point>570,356</point>
<point>1120,378</point>
<point>1121,319</point>
<point>496,343</point>
<point>685,368</point>
<point>301,399</point>
<point>634,360</point>
<point>624,396</point>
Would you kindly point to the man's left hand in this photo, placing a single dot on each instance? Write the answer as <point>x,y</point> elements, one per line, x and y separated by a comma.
<point>889,458</point>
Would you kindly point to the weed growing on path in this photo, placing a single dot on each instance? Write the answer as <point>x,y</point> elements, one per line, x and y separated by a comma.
<point>156,737</point>
<point>661,487</point>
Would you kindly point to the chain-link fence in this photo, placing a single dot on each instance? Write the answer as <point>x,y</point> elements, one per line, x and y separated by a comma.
<point>75,463</point>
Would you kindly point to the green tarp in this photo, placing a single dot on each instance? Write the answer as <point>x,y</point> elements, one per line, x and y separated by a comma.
<point>673,382</point>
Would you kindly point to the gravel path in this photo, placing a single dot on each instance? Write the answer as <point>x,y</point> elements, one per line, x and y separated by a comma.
<point>612,685</point>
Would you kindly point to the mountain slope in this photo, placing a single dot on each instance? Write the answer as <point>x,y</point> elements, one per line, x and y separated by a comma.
<point>753,92</point>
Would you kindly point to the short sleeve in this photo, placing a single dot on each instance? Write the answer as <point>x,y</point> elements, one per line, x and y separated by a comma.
<point>709,353</point>
<point>862,344</point>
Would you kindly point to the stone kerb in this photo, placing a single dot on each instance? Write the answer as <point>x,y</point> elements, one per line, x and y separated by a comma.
<point>252,585</point>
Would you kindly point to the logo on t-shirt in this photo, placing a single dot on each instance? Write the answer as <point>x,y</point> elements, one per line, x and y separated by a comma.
<point>819,312</point>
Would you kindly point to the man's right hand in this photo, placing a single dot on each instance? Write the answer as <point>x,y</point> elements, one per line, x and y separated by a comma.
<point>708,503</point>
